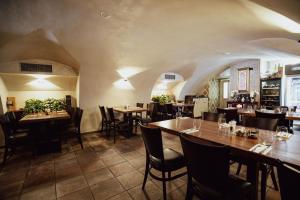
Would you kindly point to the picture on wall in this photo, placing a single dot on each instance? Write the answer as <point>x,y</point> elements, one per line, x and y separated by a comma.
<point>243,80</point>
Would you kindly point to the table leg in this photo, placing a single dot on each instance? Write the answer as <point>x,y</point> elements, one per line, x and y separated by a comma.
<point>253,177</point>
<point>129,120</point>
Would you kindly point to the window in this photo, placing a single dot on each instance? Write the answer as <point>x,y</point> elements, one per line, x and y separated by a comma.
<point>225,89</point>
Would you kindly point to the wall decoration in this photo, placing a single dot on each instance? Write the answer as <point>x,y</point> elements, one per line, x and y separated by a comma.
<point>243,79</point>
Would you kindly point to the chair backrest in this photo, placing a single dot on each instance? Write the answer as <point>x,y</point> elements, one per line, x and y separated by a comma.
<point>280,116</point>
<point>78,117</point>
<point>169,108</point>
<point>260,122</point>
<point>289,178</point>
<point>103,113</point>
<point>111,114</point>
<point>140,105</point>
<point>153,109</point>
<point>153,141</point>
<point>6,127</point>
<point>211,116</point>
<point>231,114</point>
<point>206,162</point>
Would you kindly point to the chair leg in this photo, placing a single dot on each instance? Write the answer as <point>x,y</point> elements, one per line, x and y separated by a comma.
<point>274,179</point>
<point>164,185</point>
<point>5,155</point>
<point>146,172</point>
<point>189,193</point>
<point>238,169</point>
<point>263,184</point>
<point>79,139</point>
<point>102,126</point>
<point>115,134</point>
<point>169,174</point>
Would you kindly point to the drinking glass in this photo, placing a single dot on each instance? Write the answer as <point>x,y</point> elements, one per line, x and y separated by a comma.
<point>266,137</point>
<point>221,121</point>
<point>197,124</point>
<point>178,115</point>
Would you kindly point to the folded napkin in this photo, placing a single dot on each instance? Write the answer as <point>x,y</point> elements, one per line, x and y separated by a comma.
<point>190,131</point>
<point>261,148</point>
<point>283,135</point>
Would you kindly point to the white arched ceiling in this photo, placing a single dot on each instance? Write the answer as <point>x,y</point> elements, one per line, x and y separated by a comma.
<point>194,38</point>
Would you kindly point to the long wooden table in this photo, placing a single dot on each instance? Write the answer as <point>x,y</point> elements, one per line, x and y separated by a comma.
<point>127,112</point>
<point>288,151</point>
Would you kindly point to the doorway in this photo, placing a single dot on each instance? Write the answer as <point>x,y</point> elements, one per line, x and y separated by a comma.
<point>224,92</point>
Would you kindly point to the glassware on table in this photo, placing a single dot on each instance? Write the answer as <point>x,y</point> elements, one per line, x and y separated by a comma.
<point>266,137</point>
<point>221,122</point>
<point>178,115</point>
<point>232,125</point>
<point>197,124</point>
<point>281,132</point>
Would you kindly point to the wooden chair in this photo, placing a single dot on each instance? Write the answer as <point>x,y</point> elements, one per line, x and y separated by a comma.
<point>11,138</point>
<point>282,121</point>
<point>151,114</point>
<point>231,114</point>
<point>266,124</point>
<point>289,178</point>
<point>208,171</point>
<point>115,124</point>
<point>211,116</point>
<point>105,122</point>
<point>169,112</point>
<point>162,159</point>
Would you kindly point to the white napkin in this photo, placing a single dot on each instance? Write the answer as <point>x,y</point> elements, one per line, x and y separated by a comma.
<point>190,131</point>
<point>260,148</point>
<point>283,135</point>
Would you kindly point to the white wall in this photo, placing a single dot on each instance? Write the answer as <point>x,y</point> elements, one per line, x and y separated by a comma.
<point>22,96</point>
<point>3,94</point>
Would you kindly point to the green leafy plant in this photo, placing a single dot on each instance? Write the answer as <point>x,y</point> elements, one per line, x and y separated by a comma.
<point>51,104</point>
<point>162,99</point>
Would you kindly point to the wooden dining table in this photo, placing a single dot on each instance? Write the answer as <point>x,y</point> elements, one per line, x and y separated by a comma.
<point>287,151</point>
<point>45,130</point>
<point>127,113</point>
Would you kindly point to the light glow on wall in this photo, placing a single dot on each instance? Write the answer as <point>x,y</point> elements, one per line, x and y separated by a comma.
<point>41,83</point>
<point>128,71</point>
<point>123,84</point>
<point>274,18</point>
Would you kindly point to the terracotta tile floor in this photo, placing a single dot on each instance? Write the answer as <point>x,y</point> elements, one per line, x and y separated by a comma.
<point>102,170</point>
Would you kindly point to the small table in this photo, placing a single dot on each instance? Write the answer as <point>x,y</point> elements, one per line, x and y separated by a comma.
<point>127,112</point>
<point>45,139</point>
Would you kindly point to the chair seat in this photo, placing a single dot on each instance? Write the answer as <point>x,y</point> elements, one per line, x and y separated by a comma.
<point>173,160</point>
<point>237,189</point>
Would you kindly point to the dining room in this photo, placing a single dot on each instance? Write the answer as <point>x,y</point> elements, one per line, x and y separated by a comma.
<point>131,99</point>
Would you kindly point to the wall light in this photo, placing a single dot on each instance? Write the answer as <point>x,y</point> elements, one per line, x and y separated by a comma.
<point>123,84</point>
<point>129,71</point>
<point>42,84</point>
<point>272,17</point>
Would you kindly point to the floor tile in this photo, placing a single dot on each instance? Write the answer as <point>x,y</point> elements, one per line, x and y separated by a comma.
<point>98,176</point>
<point>84,194</point>
<point>131,179</point>
<point>106,189</point>
<point>70,185</point>
<point>11,190</point>
<point>109,161</point>
<point>121,169</point>
<point>121,196</point>
<point>151,191</point>
<point>39,176</point>
<point>45,193</point>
